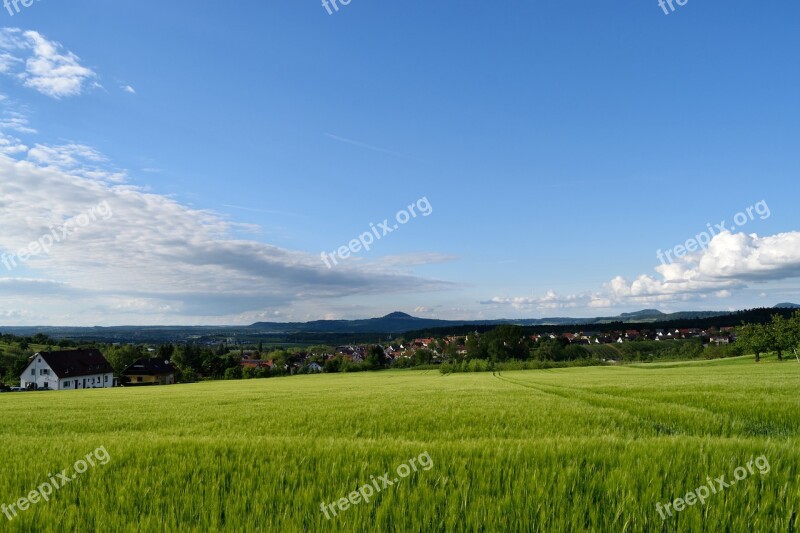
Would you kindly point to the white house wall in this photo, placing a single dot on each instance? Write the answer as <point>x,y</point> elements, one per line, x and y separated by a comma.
<point>39,365</point>
<point>94,381</point>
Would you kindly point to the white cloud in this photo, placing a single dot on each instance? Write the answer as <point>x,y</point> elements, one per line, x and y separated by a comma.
<point>11,145</point>
<point>15,121</point>
<point>155,260</point>
<point>731,262</point>
<point>42,65</point>
<point>76,159</point>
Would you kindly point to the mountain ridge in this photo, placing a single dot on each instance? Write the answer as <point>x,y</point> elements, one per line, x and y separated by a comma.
<point>399,322</point>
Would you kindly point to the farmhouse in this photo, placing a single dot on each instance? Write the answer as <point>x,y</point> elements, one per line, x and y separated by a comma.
<point>68,370</point>
<point>153,371</point>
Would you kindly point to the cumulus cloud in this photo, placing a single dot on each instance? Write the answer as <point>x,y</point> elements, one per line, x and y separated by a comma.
<point>732,261</point>
<point>42,64</point>
<point>153,258</point>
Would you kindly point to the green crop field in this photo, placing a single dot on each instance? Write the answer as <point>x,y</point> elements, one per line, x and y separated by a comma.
<point>581,449</point>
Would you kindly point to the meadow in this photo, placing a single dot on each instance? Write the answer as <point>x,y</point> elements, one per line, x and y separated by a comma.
<point>574,449</point>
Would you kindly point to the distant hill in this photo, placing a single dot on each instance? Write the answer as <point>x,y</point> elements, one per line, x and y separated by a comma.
<point>393,324</point>
<point>645,313</point>
<point>398,322</point>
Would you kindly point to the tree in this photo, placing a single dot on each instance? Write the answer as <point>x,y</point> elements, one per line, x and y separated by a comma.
<point>165,352</point>
<point>423,357</point>
<point>215,365</point>
<point>550,349</point>
<point>41,338</point>
<point>375,358</point>
<point>786,333</point>
<point>188,358</point>
<point>451,351</point>
<point>234,372</point>
<point>121,357</point>
<point>755,338</point>
<point>476,347</point>
<point>333,365</point>
<point>280,359</point>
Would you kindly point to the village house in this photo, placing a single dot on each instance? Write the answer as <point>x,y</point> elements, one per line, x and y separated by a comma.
<point>720,340</point>
<point>419,344</point>
<point>257,363</point>
<point>67,370</point>
<point>153,371</point>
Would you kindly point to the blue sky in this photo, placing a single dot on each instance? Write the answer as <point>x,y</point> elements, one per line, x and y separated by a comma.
<point>559,145</point>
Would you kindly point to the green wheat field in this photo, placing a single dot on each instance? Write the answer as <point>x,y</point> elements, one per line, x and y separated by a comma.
<point>580,449</point>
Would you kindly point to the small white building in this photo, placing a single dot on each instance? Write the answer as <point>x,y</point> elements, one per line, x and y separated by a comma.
<point>68,370</point>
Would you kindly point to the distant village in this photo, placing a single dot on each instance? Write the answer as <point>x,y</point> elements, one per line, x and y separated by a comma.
<point>75,369</point>
<point>438,347</point>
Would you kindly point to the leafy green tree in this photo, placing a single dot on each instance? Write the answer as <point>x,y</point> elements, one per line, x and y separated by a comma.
<point>321,349</point>
<point>215,365</point>
<point>188,357</point>
<point>41,338</point>
<point>121,357</point>
<point>575,352</point>
<point>785,333</point>
<point>280,358</point>
<point>450,352</point>
<point>165,352</point>
<point>754,338</point>
<point>423,357</point>
<point>375,358</point>
<point>333,365</point>
<point>477,348</point>
<point>234,372</point>
<point>550,349</point>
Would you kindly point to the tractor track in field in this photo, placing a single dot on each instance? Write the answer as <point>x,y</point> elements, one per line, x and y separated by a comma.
<point>601,400</point>
<point>619,397</point>
<point>753,427</point>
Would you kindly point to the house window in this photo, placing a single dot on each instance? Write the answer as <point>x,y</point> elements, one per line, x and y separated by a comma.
<point>105,379</point>
<point>33,372</point>
<point>139,379</point>
<point>44,372</point>
<point>66,384</point>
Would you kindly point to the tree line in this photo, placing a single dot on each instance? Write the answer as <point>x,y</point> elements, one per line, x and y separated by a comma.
<point>780,335</point>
